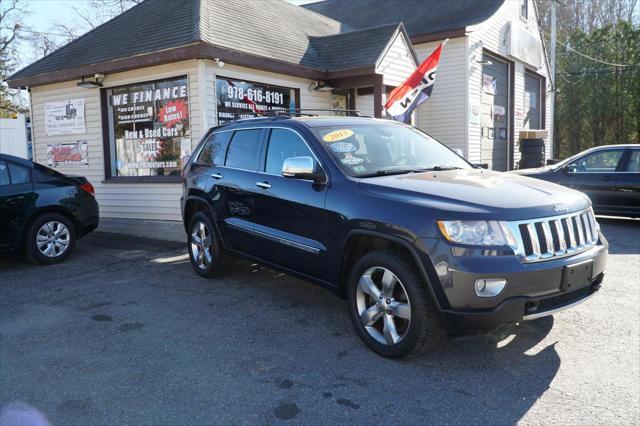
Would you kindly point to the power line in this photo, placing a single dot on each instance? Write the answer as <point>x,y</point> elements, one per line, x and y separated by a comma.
<point>571,49</point>
<point>45,33</point>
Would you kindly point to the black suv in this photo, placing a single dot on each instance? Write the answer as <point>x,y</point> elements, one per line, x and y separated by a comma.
<point>417,239</point>
<point>43,212</point>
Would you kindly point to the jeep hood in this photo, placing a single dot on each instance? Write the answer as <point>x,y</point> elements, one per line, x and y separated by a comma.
<point>476,193</point>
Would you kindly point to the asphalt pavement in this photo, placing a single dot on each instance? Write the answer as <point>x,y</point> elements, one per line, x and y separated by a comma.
<point>126,333</point>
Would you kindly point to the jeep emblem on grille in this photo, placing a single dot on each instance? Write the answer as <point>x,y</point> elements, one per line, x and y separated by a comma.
<point>560,207</point>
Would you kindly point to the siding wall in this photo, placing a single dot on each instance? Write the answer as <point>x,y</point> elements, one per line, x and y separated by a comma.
<point>397,64</point>
<point>490,35</point>
<point>444,115</point>
<point>364,104</point>
<point>148,201</point>
<point>133,201</point>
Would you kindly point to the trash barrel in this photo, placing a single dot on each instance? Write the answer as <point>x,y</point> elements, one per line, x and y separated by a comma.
<point>532,149</point>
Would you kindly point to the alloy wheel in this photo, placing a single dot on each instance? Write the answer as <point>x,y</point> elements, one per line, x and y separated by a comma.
<point>201,245</point>
<point>53,239</point>
<point>383,305</point>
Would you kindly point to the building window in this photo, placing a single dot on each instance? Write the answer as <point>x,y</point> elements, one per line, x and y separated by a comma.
<point>533,102</point>
<point>237,99</point>
<point>149,131</point>
<point>524,9</point>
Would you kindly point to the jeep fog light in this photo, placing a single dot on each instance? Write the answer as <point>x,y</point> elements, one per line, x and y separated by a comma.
<point>490,287</point>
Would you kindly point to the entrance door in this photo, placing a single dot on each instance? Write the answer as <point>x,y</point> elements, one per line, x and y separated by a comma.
<point>339,101</point>
<point>496,113</point>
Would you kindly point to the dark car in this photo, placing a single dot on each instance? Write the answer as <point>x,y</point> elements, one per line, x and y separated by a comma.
<point>609,175</point>
<point>413,236</point>
<point>43,212</point>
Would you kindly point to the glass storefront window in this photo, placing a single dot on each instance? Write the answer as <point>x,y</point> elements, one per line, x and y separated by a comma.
<point>149,128</point>
<point>237,99</point>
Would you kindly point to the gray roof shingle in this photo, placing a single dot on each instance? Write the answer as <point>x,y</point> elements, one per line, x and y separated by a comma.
<point>419,16</point>
<point>350,50</point>
<point>149,26</point>
<point>272,29</point>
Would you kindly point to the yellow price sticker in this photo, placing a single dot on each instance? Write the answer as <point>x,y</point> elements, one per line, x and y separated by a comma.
<point>337,135</point>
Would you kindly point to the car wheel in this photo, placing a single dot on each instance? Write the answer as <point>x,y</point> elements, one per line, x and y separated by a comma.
<point>205,251</point>
<point>389,306</point>
<point>50,239</point>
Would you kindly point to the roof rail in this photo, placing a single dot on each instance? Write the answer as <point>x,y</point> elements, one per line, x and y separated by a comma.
<point>300,112</point>
<point>285,114</point>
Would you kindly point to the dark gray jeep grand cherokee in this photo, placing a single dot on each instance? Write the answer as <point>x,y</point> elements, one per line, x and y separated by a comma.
<point>418,240</point>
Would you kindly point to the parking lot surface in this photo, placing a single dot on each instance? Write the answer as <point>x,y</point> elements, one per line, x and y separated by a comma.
<point>125,332</point>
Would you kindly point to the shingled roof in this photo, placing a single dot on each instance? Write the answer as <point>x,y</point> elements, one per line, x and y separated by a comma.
<point>420,17</point>
<point>275,30</point>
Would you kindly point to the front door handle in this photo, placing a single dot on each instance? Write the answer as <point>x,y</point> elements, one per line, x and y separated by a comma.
<point>623,190</point>
<point>263,185</point>
<point>216,175</point>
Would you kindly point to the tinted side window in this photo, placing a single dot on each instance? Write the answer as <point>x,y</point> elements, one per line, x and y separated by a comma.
<point>44,174</point>
<point>284,144</point>
<point>19,174</point>
<point>602,161</point>
<point>4,173</point>
<point>634,162</point>
<point>214,149</point>
<point>244,150</point>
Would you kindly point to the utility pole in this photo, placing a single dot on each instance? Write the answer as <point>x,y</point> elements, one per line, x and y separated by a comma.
<point>553,75</point>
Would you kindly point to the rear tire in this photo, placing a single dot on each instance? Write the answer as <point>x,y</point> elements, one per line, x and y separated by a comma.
<point>401,294</point>
<point>50,239</point>
<point>205,249</point>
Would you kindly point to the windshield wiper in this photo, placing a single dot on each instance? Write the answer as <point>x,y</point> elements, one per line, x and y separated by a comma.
<point>387,173</point>
<point>441,168</point>
<point>390,172</point>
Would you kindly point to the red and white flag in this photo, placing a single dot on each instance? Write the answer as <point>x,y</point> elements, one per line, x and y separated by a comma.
<point>405,98</point>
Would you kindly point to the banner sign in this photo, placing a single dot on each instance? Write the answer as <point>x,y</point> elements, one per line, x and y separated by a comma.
<point>151,127</point>
<point>405,98</point>
<point>68,154</point>
<point>241,99</point>
<point>65,117</point>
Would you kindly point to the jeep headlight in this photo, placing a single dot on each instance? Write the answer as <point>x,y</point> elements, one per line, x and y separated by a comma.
<point>476,232</point>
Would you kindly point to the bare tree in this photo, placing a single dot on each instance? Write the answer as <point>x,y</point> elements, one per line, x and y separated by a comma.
<point>10,26</point>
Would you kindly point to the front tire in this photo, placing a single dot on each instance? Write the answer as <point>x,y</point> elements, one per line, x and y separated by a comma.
<point>389,306</point>
<point>205,250</point>
<point>50,239</point>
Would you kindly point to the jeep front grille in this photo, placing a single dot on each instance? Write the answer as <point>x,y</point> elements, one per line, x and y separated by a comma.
<point>552,237</point>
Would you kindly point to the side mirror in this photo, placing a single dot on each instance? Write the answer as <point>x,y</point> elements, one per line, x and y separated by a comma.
<point>482,165</point>
<point>570,168</point>
<point>302,168</point>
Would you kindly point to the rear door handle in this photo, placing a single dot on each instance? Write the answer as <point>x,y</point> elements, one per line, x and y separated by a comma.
<point>623,190</point>
<point>263,185</point>
<point>216,175</point>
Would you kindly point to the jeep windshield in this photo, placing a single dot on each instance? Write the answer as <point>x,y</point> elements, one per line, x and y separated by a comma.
<point>386,149</point>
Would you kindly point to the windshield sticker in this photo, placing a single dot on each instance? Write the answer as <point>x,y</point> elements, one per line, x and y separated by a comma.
<point>337,135</point>
<point>350,160</point>
<point>359,169</point>
<point>343,147</point>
